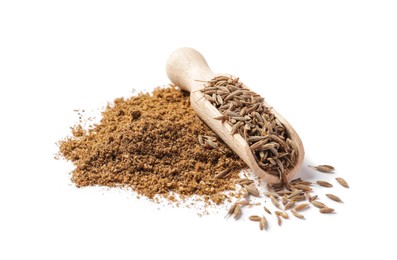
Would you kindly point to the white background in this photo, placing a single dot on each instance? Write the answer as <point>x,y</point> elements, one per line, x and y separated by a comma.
<point>328,66</point>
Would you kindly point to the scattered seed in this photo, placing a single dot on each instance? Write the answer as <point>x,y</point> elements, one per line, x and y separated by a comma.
<point>237,212</point>
<point>245,181</point>
<point>311,199</point>
<point>282,214</point>
<point>298,198</point>
<point>326,210</point>
<point>270,193</point>
<point>283,193</point>
<point>324,184</point>
<point>231,210</point>
<point>302,187</point>
<point>267,210</point>
<point>342,182</point>
<point>301,206</point>
<point>222,174</point>
<point>275,202</point>
<point>263,224</point>
<point>243,202</point>
<point>323,168</point>
<point>294,193</point>
<point>221,118</point>
<point>297,214</point>
<point>254,218</point>
<point>289,205</point>
<point>200,139</point>
<point>279,221</point>
<point>252,190</point>
<point>284,200</point>
<point>333,197</point>
<point>212,144</point>
<point>319,204</point>
<point>245,193</point>
<point>307,183</point>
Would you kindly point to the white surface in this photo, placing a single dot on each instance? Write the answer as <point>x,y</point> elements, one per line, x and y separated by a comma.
<point>328,66</point>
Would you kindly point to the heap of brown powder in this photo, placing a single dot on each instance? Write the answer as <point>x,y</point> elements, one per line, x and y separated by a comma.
<point>149,143</point>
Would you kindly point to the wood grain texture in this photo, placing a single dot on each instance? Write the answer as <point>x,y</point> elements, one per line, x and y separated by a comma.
<point>187,69</point>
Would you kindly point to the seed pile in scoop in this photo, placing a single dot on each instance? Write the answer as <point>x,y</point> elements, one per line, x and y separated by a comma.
<point>246,112</point>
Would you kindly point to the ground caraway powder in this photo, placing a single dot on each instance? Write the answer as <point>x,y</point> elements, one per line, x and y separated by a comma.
<point>149,143</point>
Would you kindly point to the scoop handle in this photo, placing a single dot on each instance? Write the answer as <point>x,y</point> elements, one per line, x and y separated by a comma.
<point>187,68</point>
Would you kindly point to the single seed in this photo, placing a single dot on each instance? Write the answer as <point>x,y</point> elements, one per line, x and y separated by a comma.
<point>294,193</point>
<point>231,210</point>
<point>323,168</point>
<point>333,197</point>
<point>245,194</point>
<point>212,138</point>
<point>311,199</point>
<point>273,150</point>
<point>270,193</point>
<point>302,187</point>
<point>298,198</point>
<point>282,214</point>
<point>256,138</point>
<point>263,224</point>
<point>208,88</point>
<point>267,210</point>
<point>252,190</point>
<point>272,161</point>
<point>254,218</point>
<point>231,113</point>
<point>242,111</point>
<point>211,144</point>
<point>284,200</point>
<point>243,202</point>
<point>319,204</point>
<point>208,97</point>
<point>259,144</point>
<point>324,184</point>
<point>326,210</point>
<point>297,214</point>
<point>234,93</point>
<point>301,206</point>
<point>219,99</point>
<point>289,205</point>
<point>237,212</point>
<point>285,180</point>
<point>307,183</point>
<point>278,220</point>
<point>200,139</point>
<point>222,174</point>
<point>245,181</point>
<point>222,118</point>
<point>275,202</point>
<point>283,193</point>
<point>239,118</point>
<point>236,127</point>
<point>342,182</point>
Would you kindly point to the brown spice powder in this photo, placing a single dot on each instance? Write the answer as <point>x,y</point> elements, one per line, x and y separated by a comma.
<point>149,143</point>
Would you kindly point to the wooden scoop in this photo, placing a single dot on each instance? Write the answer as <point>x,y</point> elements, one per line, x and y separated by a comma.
<point>187,69</point>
